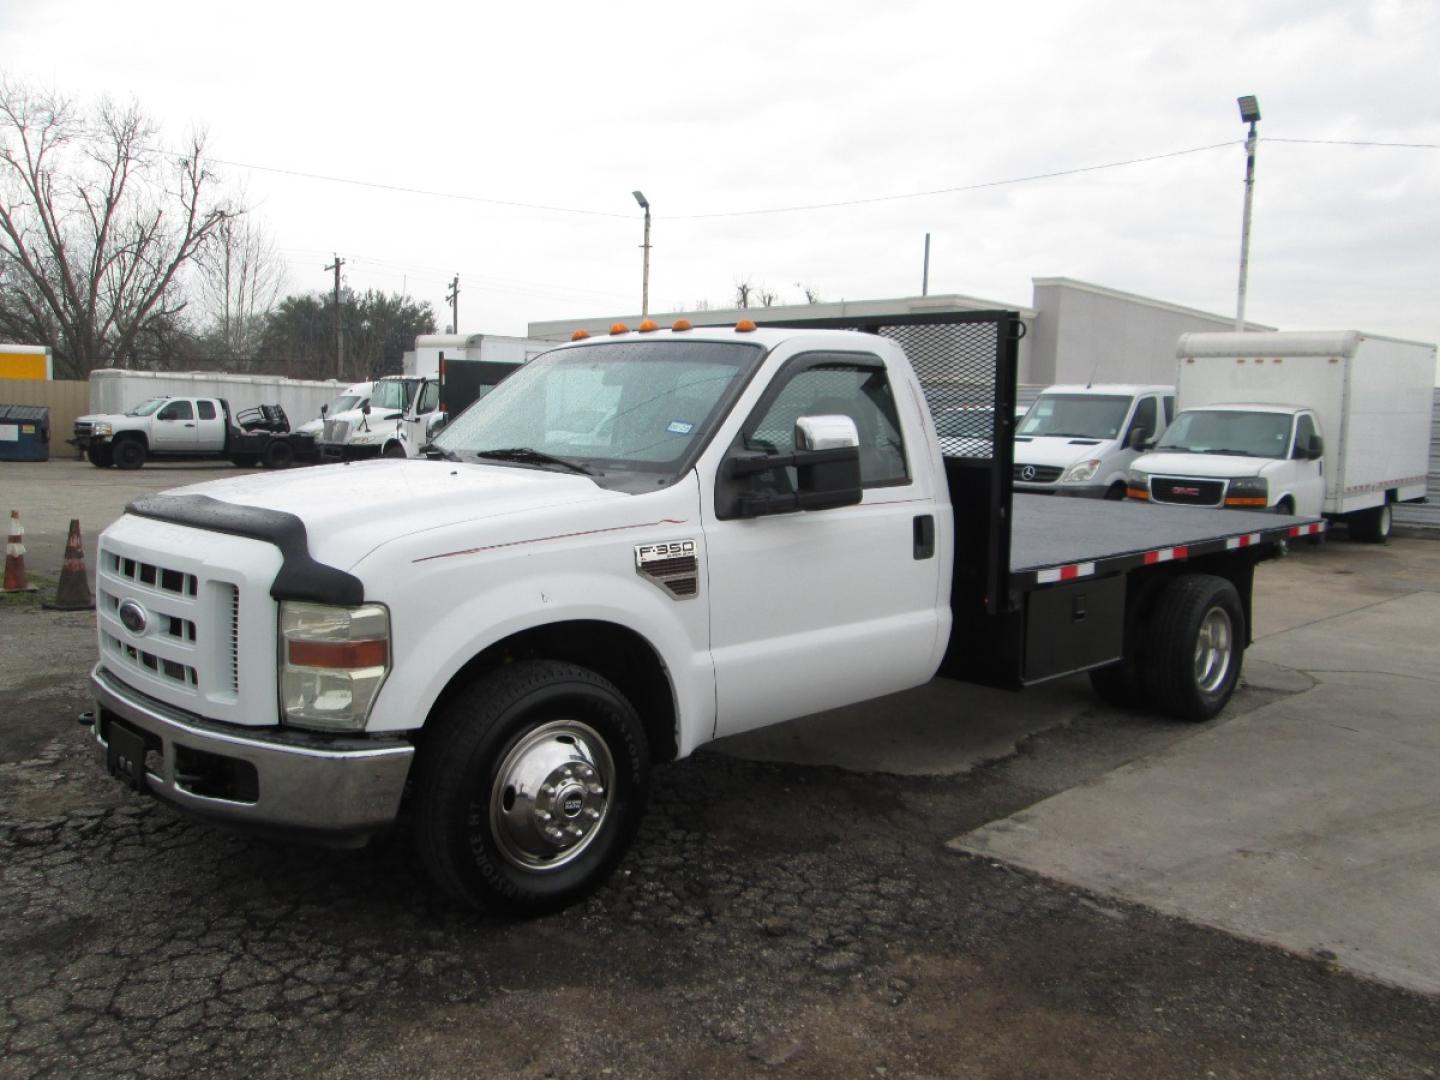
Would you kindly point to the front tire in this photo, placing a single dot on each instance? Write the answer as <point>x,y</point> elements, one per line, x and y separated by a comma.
<point>394,450</point>
<point>100,456</point>
<point>530,787</point>
<point>1197,646</point>
<point>129,454</point>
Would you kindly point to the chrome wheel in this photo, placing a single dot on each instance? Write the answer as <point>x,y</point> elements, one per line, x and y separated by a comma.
<point>550,797</point>
<point>1214,646</point>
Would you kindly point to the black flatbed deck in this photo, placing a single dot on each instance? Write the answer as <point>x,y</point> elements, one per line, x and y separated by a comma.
<point>1057,539</point>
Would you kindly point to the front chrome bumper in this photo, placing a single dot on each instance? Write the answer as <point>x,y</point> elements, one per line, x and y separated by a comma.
<point>309,787</point>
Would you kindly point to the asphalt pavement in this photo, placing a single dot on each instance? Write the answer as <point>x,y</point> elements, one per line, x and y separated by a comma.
<point>793,904</point>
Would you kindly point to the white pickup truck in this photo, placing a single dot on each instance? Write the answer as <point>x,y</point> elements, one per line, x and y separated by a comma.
<point>191,427</point>
<point>760,526</point>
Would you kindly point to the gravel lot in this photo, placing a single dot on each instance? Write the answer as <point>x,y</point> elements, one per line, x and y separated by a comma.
<point>772,918</point>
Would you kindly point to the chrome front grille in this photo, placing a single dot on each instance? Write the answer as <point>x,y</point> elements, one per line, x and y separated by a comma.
<point>1037,474</point>
<point>336,431</point>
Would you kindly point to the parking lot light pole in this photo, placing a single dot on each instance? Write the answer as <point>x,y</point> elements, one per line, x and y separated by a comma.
<point>645,278</point>
<point>1250,114</point>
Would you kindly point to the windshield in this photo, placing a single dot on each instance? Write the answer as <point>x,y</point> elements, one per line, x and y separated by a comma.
<point>343,404</point>
<point>1082,416</point>
<point>145,408</point>
<point>624,407</point>
<point>1214,431</point>
<point>393,393</point>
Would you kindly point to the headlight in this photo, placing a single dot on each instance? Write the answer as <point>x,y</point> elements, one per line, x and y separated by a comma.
<point>1137,484</point>
<point>333,661</point>
<point>103,429</point>
<point>1080,471</point>
<point>1252,491</point>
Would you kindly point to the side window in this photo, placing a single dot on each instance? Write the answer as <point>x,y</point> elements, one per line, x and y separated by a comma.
<point>829,386</point>
<point>176,410</point>
<point>207,409</point>
<point>1169,409</point>
<point>429,398</point>
<point>1145,415</point>
<point>1304,432</point>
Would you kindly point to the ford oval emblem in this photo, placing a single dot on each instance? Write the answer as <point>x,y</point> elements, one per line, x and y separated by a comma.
<point>134,617</point>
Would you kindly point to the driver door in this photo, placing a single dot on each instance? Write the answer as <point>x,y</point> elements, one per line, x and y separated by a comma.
<point>811,610</point>
<point>174,428</point>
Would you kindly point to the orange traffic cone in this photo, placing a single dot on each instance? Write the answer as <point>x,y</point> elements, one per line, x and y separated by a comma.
<point>15,557</point>
<point>73,592</point>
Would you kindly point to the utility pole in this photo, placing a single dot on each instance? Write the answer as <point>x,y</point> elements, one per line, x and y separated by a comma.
<point>453,297</point>
<point>645,274</point>
<point>339,332</point>
<point>1249,114</point>
<point>925,277</point>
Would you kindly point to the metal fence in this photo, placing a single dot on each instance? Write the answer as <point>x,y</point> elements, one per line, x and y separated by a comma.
<point>1427,514</point>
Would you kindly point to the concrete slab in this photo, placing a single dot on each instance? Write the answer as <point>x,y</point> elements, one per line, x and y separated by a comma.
<point>1312,823</point>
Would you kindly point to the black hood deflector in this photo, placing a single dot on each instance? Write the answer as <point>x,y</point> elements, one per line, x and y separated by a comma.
<point>300,576</point>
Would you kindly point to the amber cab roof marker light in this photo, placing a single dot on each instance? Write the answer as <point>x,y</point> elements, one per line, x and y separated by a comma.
<point>648,325</point>
<point>744,326</point>
<point>619,328</point>
<point>681,324</point>
<point>579,335</point>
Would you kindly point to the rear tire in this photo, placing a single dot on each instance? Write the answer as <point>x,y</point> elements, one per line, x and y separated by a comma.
<point>129,454</point>
<point>530,787</point>
<point>1371,526</point>
<point>1196,647</point>
<point>279,454</point>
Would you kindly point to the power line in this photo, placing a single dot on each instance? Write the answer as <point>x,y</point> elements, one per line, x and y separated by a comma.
<point>962,187</point>
<point>803,207</point>
<point>1357,142</point>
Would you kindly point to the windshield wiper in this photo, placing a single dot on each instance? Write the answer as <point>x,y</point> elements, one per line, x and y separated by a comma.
<point>536,457</point>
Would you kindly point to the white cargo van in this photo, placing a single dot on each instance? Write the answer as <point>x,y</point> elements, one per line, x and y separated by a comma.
<point>1304,423</point>
<point>1081,440</point>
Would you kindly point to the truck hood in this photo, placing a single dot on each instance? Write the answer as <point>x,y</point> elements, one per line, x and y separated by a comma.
<point>350,510</point>
<point>1060,450</point>
<point>106,417</point>
<point>1215,466</point>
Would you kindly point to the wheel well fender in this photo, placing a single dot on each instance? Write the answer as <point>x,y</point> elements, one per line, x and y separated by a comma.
<point>615,652</point>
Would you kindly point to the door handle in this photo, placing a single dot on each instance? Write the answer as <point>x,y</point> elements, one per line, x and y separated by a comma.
<point>924,536</point>
<point>189,425</point>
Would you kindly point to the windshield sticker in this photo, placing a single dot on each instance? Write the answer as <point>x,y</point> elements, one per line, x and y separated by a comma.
<point>680,427</point>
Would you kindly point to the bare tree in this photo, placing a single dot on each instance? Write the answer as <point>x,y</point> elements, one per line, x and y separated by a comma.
<point>767,296</point>
<point>812,295</point>
<point>95,227</point>
<point>240,279</point>
<point>743,289</point>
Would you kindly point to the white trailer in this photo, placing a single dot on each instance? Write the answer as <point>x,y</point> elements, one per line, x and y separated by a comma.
<point>115,391</point>
<point>1348,413</point>
<point>491,348</point>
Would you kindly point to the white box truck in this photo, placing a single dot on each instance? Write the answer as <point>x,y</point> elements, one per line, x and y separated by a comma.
<point>1307,423</point>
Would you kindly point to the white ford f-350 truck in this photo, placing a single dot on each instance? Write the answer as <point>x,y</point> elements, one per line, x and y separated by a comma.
<point>748,526</point>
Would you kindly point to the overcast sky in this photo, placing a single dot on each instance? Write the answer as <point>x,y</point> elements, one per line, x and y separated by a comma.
<point>721,110</point>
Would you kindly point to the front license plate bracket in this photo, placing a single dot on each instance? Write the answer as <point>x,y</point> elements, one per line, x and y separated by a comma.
<point>125,755</point>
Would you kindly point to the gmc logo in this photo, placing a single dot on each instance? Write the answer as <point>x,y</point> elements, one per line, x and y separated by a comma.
<point>1181,489</point>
